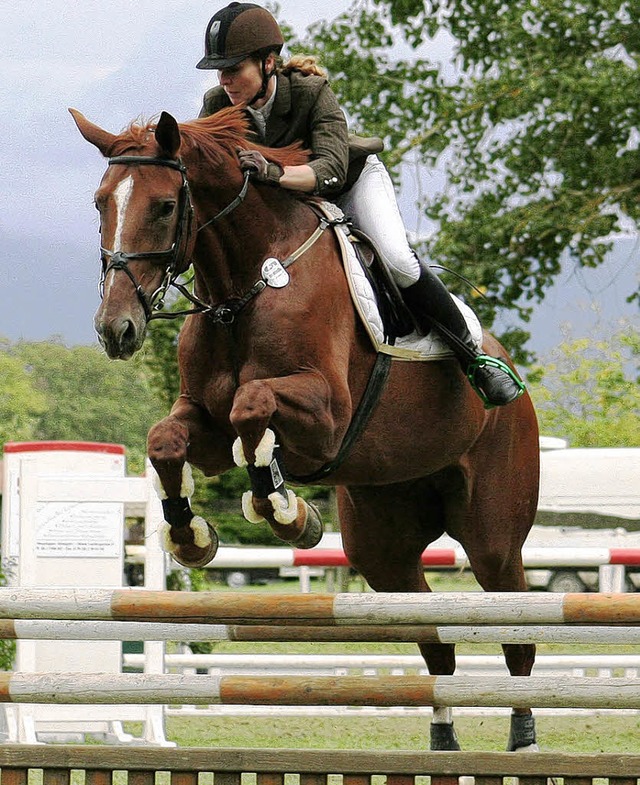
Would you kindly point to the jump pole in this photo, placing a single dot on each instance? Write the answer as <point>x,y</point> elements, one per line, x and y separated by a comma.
<point>236,557</point>
<point>465,608</point>
<point>57,629</point>
<point>495,691</point>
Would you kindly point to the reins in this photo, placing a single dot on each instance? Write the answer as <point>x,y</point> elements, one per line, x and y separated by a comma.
<point>232,206</point>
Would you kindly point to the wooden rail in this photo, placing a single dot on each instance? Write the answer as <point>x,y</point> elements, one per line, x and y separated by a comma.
<point>312,766</point>
<point>66,630</point>
<point>171,688</point>
<point>451,608</point>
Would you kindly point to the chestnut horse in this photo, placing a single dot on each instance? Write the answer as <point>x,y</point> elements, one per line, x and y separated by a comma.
<point>273,364</point>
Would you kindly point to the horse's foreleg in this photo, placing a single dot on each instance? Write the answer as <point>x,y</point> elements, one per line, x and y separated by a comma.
<point>189,539</point>
<point>256,404</point>
<point>291,518</point>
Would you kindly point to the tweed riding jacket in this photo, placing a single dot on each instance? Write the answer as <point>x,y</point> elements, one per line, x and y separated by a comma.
<point>306,109</point>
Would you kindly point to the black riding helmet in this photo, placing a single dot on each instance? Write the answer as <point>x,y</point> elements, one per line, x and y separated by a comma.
<point>238,31</point>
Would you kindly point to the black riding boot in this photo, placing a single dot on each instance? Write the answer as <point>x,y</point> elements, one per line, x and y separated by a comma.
<point>432,307</point>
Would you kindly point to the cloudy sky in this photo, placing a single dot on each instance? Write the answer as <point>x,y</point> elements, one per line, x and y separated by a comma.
<point>115,60</point>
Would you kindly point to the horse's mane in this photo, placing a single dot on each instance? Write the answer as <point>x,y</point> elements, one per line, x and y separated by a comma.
<point>215,137</point>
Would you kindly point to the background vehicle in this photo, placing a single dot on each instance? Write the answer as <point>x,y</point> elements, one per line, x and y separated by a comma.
<point>570,580</point>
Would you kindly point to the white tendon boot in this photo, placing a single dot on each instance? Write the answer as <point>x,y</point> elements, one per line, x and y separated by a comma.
<point>204,536</point>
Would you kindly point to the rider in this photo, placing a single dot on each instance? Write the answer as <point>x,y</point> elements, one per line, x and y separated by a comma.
<point>293,102</point>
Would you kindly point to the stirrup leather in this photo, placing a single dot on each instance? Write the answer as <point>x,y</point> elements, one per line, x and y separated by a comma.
<point>484,360</point>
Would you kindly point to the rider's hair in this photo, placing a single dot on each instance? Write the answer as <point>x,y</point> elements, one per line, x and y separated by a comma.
<point>305,64</point>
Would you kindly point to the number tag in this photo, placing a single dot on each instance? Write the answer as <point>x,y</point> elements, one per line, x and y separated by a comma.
<point>276,474</point>
<point>274,273</point>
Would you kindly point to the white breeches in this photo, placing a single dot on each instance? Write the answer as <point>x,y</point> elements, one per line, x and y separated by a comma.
<point>371,206</point>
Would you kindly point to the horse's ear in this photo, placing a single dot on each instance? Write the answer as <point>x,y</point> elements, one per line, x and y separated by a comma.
<point>102,139</point>
<point>168,135</point>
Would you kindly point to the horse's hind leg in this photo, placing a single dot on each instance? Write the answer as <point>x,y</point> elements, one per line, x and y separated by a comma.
<point>506,573</point>
<point>385,531</point>
<point>189,539</point>
<point>492,527</point>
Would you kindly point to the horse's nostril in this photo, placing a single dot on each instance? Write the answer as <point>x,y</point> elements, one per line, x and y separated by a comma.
<point>127,332</point>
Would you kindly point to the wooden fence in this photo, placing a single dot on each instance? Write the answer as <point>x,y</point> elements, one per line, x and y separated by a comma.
<point>96,765</point>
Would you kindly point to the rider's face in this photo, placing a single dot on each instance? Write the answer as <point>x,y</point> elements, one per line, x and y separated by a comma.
<point>242,81</point>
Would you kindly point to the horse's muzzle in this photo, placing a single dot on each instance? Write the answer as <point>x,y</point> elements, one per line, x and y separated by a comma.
<point>120,337</point>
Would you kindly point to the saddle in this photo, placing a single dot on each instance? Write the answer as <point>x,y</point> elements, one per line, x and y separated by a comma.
<point>396,317</point>
<point>378,300</point>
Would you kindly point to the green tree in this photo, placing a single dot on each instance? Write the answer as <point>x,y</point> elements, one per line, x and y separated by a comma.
<point>588,391</point>
<point>88,397</point>
<point>160,356</point>
<point>21,404</point>
<point>536,126</point>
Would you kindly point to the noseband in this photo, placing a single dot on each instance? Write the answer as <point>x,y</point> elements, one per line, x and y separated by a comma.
<point>174,257</point>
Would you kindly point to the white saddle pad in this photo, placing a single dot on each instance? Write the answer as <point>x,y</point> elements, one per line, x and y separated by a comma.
<point>409,347</point>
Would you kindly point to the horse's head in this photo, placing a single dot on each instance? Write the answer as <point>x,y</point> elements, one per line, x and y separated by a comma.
<point>145,216</point>
<point>147,229</point>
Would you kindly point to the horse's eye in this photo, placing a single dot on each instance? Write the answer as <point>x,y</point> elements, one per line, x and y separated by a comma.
<point>166,209</point>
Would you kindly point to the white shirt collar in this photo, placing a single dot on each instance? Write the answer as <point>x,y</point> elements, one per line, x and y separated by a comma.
<point>262,115</point>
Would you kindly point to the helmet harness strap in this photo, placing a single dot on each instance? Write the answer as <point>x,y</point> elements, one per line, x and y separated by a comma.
<point>265,80</point>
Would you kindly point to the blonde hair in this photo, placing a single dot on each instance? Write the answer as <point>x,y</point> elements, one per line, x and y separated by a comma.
<point>306,64</point>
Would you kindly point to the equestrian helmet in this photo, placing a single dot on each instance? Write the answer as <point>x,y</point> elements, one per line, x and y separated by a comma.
<point>238,31</point>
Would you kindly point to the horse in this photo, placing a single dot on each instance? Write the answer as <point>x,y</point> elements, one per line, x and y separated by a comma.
<point>275,367</point>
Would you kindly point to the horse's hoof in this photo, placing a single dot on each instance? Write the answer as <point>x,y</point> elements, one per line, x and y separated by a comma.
<point>192,555</point>
<point>312,532</point>
<point>443,737</point>
<point>522,733</point>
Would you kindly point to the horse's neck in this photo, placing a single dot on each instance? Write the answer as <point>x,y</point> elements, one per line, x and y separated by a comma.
<point>230,254</point>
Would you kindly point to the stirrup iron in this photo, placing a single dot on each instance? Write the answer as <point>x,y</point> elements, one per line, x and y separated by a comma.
<point>484,360</point>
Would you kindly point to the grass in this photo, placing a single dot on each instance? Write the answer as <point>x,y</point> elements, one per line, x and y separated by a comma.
<point>611,733</point>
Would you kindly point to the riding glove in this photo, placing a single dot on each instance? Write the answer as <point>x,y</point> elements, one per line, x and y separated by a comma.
<point>264,171</point>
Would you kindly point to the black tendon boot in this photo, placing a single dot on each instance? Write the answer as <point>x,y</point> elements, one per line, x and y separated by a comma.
<point>431,306</point>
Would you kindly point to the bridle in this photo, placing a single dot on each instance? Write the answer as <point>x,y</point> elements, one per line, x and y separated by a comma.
<point>176,261</point>
<point>175,256</point>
